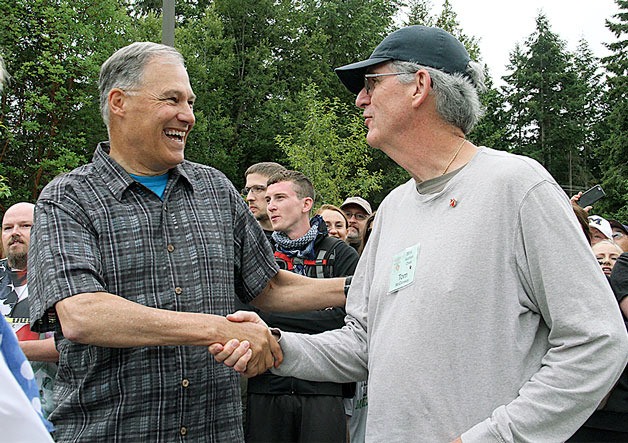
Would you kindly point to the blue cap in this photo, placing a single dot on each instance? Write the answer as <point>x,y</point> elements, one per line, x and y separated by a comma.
<point>426,46</point>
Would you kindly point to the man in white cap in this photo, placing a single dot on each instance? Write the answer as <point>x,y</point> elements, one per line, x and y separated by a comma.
<point>489,340</point>
<point>600,229</point>
<point>357,210</point>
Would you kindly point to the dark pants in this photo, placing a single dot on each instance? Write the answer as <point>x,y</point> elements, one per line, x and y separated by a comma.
<point>295,418</point>
<point>592,435</point>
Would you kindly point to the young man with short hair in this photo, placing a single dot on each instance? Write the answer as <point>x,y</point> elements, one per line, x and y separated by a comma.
<point>288,408</point>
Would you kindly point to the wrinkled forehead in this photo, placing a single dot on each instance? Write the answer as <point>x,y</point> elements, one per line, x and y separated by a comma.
<point>19,213</point>
<point>352,207</point>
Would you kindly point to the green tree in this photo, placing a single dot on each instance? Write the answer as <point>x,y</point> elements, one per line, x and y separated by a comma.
<point>419,13</point>
<point>546,105</point>
<point>248,60</point>
<point>333,156</point>
<point>491,129</point>
<point>211,63</point>
<point>185,10</point>
<point>53,50</point>
<point>586,127</point>
<point>614,149</point>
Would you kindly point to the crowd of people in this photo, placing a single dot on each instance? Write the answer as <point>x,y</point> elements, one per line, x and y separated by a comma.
<point>469,307</point>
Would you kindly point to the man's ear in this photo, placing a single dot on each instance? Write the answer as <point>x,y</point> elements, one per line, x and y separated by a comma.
<point>422,87</point>
<point>307,204</point>
<point>116,100</point>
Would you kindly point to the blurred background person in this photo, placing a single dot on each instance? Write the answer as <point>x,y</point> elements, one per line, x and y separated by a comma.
<point>600,229</point>
<point>357,210</point>
<point>583,219</point>
<point>619,283</point>
<point>368,228</point>
<point>609,423</point>
<point>283,409</point>
<point>15,303</point>
<point>620,234</point>
<point>607,252</point>
<point>336,221</point>
<point>254,193</point>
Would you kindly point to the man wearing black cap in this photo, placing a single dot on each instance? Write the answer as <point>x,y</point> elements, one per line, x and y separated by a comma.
<point>492,339</point>
<point>620,234</point>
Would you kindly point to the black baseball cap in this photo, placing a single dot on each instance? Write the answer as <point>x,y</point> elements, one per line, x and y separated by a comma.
<point>618,225</point>
<point>427,46</point>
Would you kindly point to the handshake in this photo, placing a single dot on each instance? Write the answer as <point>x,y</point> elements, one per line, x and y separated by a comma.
<point>257,351</point>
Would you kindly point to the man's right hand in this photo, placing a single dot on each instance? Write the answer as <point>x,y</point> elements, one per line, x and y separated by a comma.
<point>254,355</point>
<point>576,198</point>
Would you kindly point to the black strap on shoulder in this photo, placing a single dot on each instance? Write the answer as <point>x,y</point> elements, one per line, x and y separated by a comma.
<point>320,267</point>
<point>325,257</point>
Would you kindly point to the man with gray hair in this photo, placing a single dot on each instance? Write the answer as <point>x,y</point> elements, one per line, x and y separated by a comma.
<point>137,256</point>
<point>511,335</point>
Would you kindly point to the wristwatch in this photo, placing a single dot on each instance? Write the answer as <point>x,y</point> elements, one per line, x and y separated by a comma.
<point>348,284</point>
<point>276,332</point>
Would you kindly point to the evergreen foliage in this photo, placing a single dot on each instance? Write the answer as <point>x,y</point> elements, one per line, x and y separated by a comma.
<point>263,74</point>
<point>613,154</point>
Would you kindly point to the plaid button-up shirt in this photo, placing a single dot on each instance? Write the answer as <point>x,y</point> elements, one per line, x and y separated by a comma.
<point>96,229</point>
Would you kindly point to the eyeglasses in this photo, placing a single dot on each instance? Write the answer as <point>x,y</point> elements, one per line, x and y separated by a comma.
<point>357,215</point>
<point>255,189</point>
<point>369,82</point>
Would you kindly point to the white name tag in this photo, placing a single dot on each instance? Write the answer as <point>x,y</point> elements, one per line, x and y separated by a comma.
<point>403,268</point>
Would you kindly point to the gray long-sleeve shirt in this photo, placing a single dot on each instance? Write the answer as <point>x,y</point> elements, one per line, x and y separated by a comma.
<point>507,330</point>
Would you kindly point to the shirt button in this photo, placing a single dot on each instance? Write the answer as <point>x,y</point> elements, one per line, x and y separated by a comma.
<point>170,248</point>
<point>185,382</point>
<point>178,290</point>
<point>183,430</point>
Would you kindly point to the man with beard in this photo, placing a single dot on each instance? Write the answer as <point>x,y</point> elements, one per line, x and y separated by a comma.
<point>14,303</point>
<point>357,210</point>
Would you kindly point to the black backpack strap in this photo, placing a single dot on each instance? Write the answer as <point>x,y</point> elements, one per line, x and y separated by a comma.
<point>325,257</point>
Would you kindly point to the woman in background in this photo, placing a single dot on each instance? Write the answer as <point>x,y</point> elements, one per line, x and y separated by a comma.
<point>335,220</point>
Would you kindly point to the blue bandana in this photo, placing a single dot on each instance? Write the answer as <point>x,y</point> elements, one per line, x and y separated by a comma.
<point>302,247</point>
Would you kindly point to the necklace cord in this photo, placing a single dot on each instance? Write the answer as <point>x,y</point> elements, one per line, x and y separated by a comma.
<point>464,140</point>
